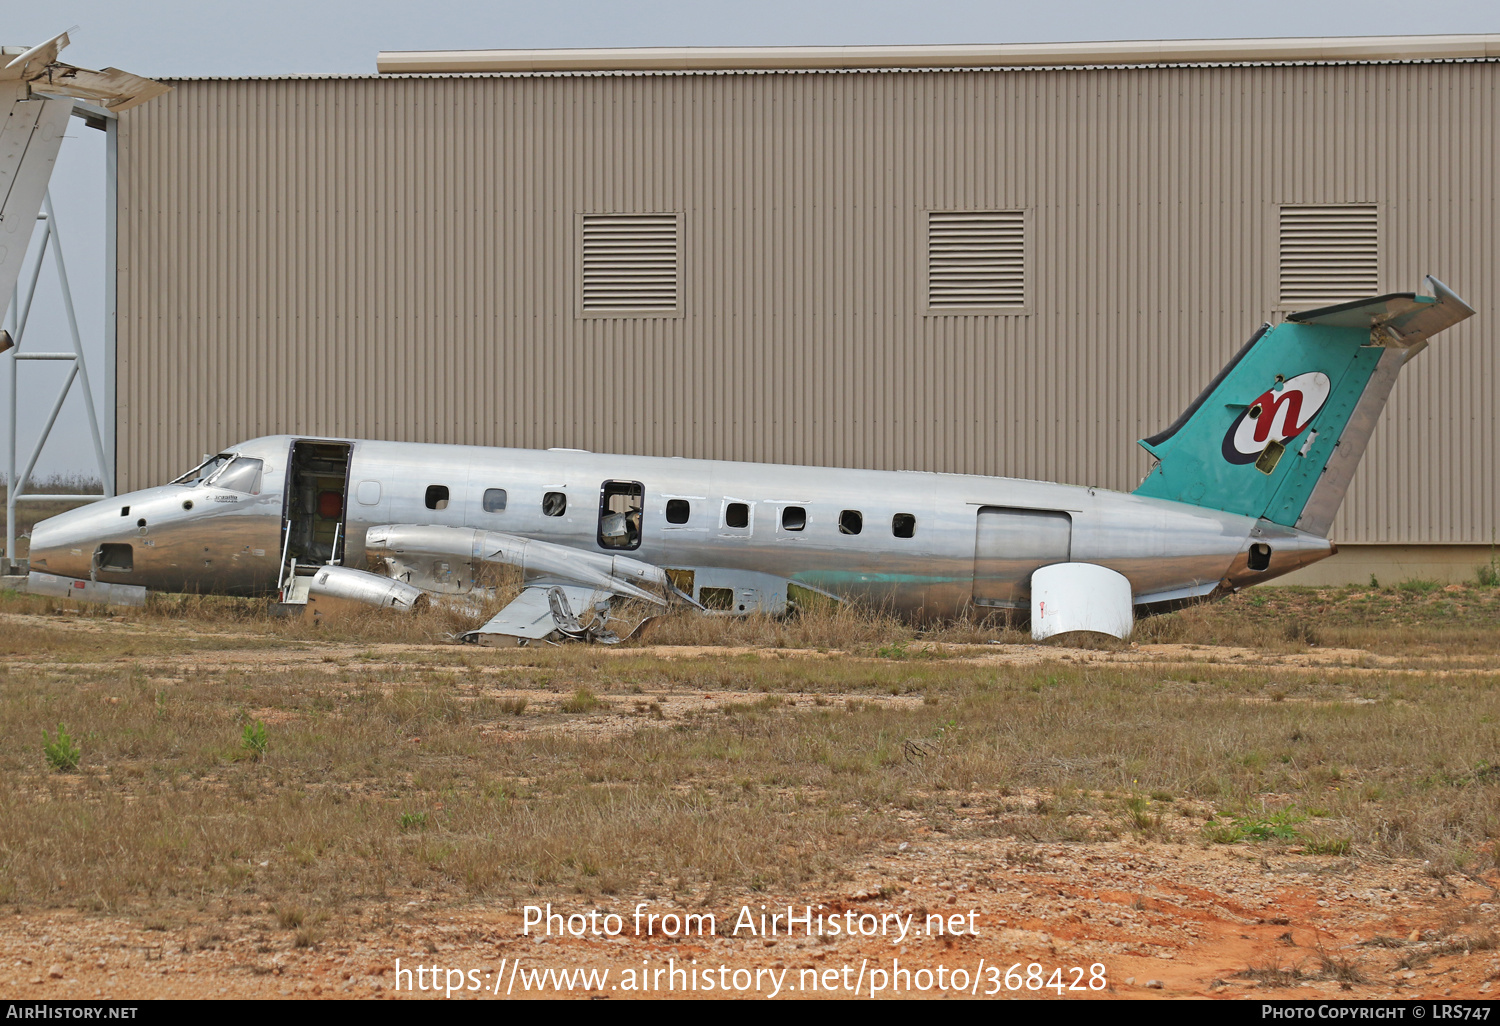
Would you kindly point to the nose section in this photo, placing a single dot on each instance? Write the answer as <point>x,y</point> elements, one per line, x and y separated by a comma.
<point>65,544</point>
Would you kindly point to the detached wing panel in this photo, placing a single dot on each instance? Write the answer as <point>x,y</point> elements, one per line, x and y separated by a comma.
<point>543,610</point>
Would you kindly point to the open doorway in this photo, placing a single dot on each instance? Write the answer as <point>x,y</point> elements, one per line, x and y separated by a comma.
<point>317,485</point>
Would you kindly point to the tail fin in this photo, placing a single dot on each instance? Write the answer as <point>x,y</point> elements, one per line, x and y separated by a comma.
<point>1278,433</point>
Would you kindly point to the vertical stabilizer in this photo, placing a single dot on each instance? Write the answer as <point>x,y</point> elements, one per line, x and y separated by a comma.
<point>1279,432</point>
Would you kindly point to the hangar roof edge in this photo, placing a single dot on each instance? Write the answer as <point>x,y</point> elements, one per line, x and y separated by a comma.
<point>698,59</point>
<point>619,73</point>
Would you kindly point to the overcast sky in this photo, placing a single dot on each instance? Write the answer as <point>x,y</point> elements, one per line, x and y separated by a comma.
<point>200,37</point>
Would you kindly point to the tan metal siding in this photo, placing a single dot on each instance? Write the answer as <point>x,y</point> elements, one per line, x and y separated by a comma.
<point>398,259</point>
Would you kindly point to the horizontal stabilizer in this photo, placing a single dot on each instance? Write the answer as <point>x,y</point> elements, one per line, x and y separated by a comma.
<point>111,88</point>
<point>44,73</point>
<point>1403,319</point>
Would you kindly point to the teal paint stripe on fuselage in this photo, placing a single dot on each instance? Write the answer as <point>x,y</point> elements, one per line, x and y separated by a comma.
<point>834,580</point>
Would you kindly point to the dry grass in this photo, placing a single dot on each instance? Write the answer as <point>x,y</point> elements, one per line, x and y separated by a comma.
<point>1397,620</point>
<point>1271,973</point>
<point>503,771</point>
<point>1341,968</point>
<point>1435,624</point>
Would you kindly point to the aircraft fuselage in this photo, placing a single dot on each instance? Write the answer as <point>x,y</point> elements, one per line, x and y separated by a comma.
<point>921,544</point>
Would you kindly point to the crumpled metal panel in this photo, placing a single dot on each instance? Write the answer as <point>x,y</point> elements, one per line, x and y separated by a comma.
<point>53,586</point>
<point>542,611</point>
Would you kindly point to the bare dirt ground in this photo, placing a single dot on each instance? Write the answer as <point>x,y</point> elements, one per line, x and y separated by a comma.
<point>1159,912</point>
<point>1162,921</point>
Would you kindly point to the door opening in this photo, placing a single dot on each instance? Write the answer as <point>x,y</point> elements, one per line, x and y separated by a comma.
<point>313,518</point>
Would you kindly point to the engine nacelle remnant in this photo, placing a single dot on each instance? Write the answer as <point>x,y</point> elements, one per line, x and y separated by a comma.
<point>343,582</point>
<point>1080,597</point>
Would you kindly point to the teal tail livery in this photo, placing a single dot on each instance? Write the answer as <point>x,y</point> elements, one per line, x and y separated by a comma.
<point>1279,432</point>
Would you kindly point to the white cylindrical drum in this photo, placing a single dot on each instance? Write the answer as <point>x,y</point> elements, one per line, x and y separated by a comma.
<point>1080,597</point>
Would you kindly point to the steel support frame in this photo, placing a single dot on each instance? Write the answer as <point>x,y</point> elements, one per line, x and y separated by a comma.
<point>20,312</point>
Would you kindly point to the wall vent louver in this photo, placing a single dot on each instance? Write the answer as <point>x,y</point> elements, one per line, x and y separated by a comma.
<point>1329,253</point>
<point>630,263</point>
<point>976,258</point>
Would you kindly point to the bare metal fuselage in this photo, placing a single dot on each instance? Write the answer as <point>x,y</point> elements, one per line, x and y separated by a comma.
<point>203,538</point>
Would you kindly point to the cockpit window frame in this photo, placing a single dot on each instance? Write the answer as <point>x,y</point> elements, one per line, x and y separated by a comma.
<point>214,480</point>
<point>196,478</point>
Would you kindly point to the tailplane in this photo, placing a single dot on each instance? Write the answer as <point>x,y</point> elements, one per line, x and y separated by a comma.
<point>1279,432</point>
<point>37,94</point>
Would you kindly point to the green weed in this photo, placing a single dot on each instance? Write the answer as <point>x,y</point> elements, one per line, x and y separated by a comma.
<point>1275,826</point>
<point>62,752</point>
<point>254,740</point>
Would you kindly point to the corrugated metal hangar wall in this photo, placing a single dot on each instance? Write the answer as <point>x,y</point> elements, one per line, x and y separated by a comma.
<point>404,258</point>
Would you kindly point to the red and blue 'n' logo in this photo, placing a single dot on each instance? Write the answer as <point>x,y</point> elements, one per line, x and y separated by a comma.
<point>1279,414</point>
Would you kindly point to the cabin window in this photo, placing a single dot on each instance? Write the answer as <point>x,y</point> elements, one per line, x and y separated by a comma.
<point>737,514</point>
<point>620,505</point>
<point>903,525</point>
<point>494,500</point>
<point>851,521</point>
<point>437,496</point>
<point>793,518</point>
<point>554,504</point>
<point>678,511</point>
